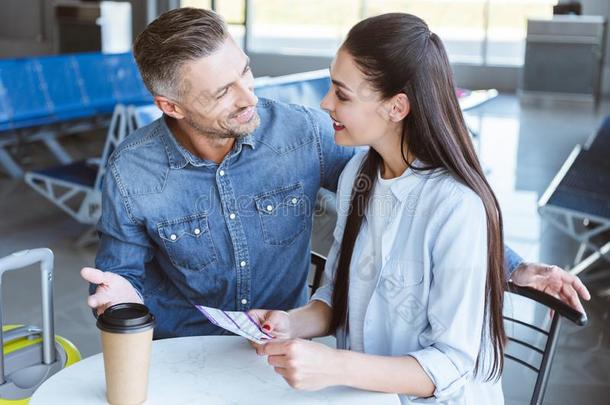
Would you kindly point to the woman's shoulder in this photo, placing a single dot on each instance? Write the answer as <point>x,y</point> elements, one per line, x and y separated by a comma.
<point>450,193</point>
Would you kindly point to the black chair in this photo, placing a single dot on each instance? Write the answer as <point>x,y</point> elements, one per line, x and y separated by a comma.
<point>560,310</point>
<point>317,262</point>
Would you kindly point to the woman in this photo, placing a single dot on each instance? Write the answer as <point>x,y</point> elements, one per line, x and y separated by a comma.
<point>414,279</point>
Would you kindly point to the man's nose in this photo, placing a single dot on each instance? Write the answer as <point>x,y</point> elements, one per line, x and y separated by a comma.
<point>246,96</point>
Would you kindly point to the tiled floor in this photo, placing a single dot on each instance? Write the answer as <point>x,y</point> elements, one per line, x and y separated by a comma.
<point>521,148</point>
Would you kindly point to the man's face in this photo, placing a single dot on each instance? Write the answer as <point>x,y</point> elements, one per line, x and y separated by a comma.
<point>217,96</point>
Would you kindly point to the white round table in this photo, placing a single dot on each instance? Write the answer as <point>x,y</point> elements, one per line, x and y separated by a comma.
<point>205,370</point>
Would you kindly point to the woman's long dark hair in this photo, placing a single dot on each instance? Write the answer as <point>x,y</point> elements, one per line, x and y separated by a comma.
<point>397,53</point>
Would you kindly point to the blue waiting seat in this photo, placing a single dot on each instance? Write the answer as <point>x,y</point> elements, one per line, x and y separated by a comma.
<point>44,97</point>
<point>580,192</point>
<point>75,188</point>
<point>308,88</point>
<point>599,144</point>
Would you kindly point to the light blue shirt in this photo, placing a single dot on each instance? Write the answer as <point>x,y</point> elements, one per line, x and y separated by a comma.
<point>429,297</point>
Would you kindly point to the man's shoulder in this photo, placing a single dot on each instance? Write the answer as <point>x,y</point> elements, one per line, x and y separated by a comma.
<point>285,122</point>
<point>146,138</point>
<point>140,162</point>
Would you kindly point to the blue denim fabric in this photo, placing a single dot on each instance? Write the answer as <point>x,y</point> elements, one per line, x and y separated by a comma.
<point>234,235</point>
<point>512,260</point>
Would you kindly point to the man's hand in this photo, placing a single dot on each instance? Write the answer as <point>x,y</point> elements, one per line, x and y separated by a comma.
<point>111,289</point>
<point>552,280</point>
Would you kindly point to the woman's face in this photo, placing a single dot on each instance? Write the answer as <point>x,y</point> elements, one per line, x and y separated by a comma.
<point>359,115</point>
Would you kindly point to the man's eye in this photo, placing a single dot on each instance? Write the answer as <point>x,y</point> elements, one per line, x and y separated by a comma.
<point>224,93</point>
<point>340,96</point>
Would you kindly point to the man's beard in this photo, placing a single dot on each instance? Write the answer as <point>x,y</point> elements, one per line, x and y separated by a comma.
<point>225,133</point>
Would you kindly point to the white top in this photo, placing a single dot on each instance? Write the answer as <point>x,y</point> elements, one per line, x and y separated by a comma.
<point>379,212</point>
<point>211,370</point>
<point>429,296</point>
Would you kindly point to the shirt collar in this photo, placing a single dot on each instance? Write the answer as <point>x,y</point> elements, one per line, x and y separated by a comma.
<point>403,187</point>
<point>179,156</point>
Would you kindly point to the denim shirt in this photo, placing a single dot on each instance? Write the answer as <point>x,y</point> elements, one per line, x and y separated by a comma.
<point>234,235</point>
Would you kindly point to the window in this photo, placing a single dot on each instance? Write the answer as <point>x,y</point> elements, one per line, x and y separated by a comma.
<point>233,11</point>
<point>473,31</point>
<point>301,26</point>
<point>459,23</point>
<point>508,28</point>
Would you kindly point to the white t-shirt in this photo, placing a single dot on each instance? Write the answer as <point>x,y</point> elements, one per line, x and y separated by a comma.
<point>378,214</point>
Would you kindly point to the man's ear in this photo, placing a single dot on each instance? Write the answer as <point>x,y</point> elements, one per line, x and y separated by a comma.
<point>169,107</point>
<point>399,107</point>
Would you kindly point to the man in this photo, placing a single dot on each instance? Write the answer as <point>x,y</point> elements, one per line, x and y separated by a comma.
<point>212,203</point>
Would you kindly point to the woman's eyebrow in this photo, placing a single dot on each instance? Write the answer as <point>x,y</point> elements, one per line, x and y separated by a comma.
<point>341,84</point>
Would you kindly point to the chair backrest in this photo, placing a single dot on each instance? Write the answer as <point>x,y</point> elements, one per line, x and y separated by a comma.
<point>24,101</point>
<point>532,343</point>
<point>306,89</point>
<point>51,89</point>
<point>599,144</point>
<point>125,79</point>
<point>61,82</point>
<point>317,263</point>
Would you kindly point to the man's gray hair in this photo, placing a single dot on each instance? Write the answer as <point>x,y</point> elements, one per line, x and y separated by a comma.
<point>177,36</point>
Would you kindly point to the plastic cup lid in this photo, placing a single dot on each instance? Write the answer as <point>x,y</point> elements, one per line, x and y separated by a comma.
<point>126,318</point>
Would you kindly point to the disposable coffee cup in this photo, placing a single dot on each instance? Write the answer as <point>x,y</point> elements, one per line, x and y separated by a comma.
<point>127,331</point>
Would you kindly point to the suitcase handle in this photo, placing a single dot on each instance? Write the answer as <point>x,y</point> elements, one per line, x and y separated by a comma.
<point>17,261</point>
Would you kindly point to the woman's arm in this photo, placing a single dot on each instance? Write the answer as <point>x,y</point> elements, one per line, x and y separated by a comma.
<point>309,365</point>
<point>311,320</point>
<point>402,375</point>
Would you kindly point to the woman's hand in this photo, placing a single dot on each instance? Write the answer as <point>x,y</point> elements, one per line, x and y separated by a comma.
<point>554,281</point>
<point>305,365</point>
<point>274,323</point>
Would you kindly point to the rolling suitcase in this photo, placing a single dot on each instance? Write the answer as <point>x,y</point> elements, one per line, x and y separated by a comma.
<point>31,355</point>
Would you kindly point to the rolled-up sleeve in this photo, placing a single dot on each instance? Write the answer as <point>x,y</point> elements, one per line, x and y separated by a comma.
<point>512,260</point>
<point>452,340</point>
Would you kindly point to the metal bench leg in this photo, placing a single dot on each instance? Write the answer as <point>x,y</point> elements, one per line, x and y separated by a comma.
<point>12,168</point>
<point>591,259</point>
<point>57,150</point>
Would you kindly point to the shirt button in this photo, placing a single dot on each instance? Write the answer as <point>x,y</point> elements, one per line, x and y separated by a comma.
<point>269,207</point>
<point>173,236</point>
<point>232,216</point>
<point>244,301</point>
<point>197,231</point>
<point>222,173</point>
<point>242,264</point>
<point>294,200</point>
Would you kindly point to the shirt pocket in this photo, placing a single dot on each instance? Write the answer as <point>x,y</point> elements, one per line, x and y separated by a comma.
<point>188,242</point>
<point>282,214</point>
<point>400,277</point>
<point>402,288</point>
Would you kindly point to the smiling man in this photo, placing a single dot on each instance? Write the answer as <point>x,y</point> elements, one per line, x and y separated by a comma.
<point>212,204</point>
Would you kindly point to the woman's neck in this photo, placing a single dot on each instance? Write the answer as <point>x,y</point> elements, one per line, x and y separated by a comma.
<point>393,163</point>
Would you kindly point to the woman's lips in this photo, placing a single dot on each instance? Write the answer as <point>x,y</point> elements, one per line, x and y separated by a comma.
<point>337,125</point>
